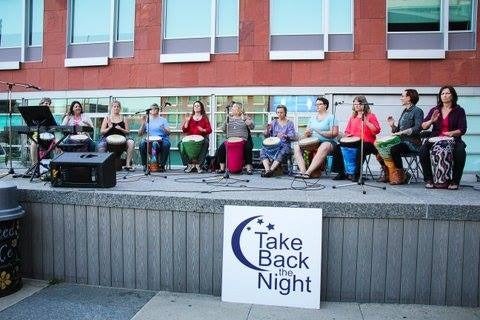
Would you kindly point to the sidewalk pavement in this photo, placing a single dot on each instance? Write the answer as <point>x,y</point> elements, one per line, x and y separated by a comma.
<point>36,300</point>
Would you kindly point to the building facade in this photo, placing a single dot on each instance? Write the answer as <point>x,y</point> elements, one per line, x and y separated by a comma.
<point>259,52</point>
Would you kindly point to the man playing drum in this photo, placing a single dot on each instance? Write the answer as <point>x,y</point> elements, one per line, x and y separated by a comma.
<point>197,128</point>
<point>117,124</point>
<point>284,131</point>
<point>408,129</point>
<point>157,127</point>
<point>322,130</point>
<point>448,120</point>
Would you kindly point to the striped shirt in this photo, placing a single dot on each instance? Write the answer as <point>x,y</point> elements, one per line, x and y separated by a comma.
<point>237,128</point>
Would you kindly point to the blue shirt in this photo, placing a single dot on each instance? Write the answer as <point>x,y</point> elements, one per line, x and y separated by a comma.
<point>157,127</point>
<point>322,125</point>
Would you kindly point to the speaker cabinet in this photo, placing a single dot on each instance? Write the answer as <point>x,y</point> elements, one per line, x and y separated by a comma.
<point>83,169</point>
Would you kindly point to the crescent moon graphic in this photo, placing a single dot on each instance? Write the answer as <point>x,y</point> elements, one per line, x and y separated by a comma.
<point>236,244</point>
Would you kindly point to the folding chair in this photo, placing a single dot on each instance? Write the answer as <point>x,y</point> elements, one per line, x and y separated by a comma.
<point>413,165</point>
<point>366,168</point>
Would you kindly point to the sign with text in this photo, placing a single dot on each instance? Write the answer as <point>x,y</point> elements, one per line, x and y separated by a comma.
<point>272,256</point>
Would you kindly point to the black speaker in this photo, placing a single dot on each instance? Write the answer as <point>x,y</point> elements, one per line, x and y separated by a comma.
<point>84,169</point>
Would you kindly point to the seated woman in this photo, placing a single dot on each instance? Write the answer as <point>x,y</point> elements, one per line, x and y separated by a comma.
<point>322,127</point>
<point>158,131</point>
<point>45,146</point>
<point>80,141</point>
<point>196,123</point>
<point>116,123</point>
<point>408,129</point>
<point>353,135</point>
<point>284,130</point>
<point>449,122</point>
<point>239,126</point>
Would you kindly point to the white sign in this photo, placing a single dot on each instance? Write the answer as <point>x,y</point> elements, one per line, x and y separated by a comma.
<point>272,256</point>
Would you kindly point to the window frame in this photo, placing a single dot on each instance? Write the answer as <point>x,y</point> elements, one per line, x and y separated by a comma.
<point>281,47</point>
<point>431,44</point>
<point>12,56</point>
<point>200,49</point>
<point>98,53</point>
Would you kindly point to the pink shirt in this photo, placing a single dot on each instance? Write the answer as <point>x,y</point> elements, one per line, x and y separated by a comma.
<point>354,128</point>
<point>444,125</point>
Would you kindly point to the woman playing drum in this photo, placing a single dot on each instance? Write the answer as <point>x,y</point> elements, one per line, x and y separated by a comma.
<point>239,126</point>
<point>33,144</point>
<point>325,130</point>
<point>116,124</point>
<point>76,117</point>
<point>196,123</point>
<point>448,120</point>
<point>371,127</point>
<point>284,130</point>
<point>408,129</point>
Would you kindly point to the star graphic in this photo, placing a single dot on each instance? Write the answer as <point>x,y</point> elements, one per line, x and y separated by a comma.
<point>248,228</point>
<point>270,226</point>
<point>259,221</point>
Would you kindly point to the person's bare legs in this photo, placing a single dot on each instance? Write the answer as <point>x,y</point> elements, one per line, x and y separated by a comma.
<point>130,148</point>
<point>323,150</point>
<point>298,154</point>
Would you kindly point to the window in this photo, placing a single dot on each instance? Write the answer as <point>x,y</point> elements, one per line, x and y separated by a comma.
<point>305,29</point>
<point>460,15</point>
<point>212,28</point>
<point>425,29</point>
<point>413,15</point>
<point>108,35</point>
<point>21,32</point>
<point>98,29</point>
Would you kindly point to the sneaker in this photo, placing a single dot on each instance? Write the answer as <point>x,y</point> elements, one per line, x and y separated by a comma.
<point>189,168</point>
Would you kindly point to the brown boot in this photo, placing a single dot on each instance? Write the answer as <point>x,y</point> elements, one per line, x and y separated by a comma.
<point>384,175</point>
<point>397,177</point>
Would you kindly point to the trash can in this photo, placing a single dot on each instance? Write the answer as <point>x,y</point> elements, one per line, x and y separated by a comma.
<point>10,262</point>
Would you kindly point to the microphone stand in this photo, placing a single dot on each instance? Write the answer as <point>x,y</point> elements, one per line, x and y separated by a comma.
<point>225,177</point>
<point>10,86</point>
<point>361,181</point>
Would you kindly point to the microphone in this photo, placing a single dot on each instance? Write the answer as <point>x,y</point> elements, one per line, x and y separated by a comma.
<point>368,104</point>
<point>31,86</point>
<point>337,103</point>
<point>142,111</point>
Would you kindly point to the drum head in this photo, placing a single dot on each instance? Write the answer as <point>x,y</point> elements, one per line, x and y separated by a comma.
<point>234,139</point>
<point>193,137</point>
<point>78,137</point>
<point>116,139</point>
<point>46,136</point>
<point>271,141</point>
<point>308,141</point>
<point>349,139</point>
<point>154,138</point>
<point>439,138</point>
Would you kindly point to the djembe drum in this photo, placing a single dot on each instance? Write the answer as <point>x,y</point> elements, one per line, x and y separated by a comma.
<point>441,157</point>
<point>117,144</point>
<point>191,146</point>
<point>234,147</point>
<point>383,146</point>
<point>349,148</point>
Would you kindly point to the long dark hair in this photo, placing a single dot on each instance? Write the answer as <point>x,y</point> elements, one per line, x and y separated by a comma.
<point>202,107</point>
<point>70,111</point>
<point>452,91</point>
